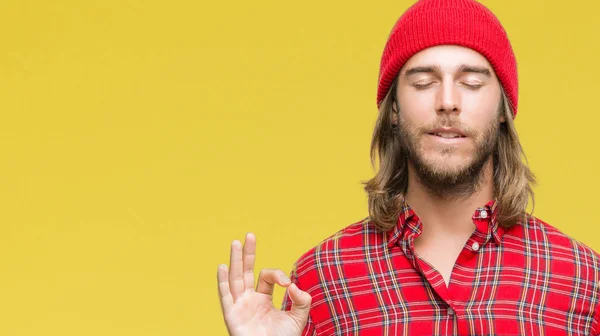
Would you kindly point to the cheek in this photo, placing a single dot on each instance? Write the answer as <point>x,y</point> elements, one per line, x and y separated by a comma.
<point>416,102</point>
<point>478,114</point>
<point>483,104</point>
<point>482,108</point>
<point>417,114</point>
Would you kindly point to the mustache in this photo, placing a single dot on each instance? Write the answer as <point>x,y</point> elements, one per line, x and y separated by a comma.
<point>447,123</point>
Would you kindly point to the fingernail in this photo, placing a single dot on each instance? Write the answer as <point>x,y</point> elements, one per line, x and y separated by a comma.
<point>284,280</point>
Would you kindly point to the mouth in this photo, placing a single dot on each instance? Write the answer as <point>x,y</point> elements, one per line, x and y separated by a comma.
<point>447,138</point>
<point>447,135</point>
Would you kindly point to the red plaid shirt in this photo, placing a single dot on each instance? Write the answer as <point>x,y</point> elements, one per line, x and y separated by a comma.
<point>530,279</point>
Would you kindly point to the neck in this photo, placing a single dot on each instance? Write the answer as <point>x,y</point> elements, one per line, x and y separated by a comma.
<point>445,215</point>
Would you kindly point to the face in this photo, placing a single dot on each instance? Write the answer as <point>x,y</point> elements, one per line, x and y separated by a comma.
<point>449,98</point>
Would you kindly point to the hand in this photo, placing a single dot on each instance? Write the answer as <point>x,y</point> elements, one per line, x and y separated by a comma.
<point>251,312</point>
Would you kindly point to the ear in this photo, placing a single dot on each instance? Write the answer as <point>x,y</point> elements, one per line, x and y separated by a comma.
<point>395,114</point>
<point>502,118</point>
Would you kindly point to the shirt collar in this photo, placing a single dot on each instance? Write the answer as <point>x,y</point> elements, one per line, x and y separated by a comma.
<point>485,223</point>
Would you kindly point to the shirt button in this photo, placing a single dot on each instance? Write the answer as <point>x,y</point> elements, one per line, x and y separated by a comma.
<point>475,246</point>
<point>483,214</point>
<point>450,311</point>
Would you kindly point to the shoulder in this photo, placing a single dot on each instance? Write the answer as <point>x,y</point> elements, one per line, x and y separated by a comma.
<point>538,235</point>
<point>568,258</point>
<point>344,244</point>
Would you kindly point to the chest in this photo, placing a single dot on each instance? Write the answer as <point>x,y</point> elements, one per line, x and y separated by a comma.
<point>490,293</point>
<point>440,255</point>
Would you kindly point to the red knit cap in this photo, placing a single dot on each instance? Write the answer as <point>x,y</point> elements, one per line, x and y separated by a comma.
<point>467,23</point>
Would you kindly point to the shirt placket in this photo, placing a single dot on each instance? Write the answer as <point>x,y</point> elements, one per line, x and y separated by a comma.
<point>434,279</point>
<point>454,297</point>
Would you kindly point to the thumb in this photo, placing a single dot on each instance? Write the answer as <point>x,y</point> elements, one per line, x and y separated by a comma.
<point>300,304</point>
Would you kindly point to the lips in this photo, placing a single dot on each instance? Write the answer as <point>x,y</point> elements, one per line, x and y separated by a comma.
<point>448,133</point>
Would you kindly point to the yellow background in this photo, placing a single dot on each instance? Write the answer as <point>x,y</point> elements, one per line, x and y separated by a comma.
<point>138,138</point>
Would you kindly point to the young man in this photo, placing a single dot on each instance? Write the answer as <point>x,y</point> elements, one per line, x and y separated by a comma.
<point>448,248</point>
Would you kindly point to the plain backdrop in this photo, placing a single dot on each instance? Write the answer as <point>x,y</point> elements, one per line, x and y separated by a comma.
<point>139,138</point>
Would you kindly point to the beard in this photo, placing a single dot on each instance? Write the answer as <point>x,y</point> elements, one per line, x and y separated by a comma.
<point>443,182</point>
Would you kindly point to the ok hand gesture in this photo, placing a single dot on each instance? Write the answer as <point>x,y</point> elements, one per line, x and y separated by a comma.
<point>251,312</point>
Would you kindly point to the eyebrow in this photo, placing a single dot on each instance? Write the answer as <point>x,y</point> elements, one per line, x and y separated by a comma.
<point>436,68</point>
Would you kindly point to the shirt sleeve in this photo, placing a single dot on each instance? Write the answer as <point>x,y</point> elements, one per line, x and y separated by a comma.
<point>309,329</point>
<point>596,328</point>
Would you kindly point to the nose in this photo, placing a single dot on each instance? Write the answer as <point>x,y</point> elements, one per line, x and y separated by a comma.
<point>448,98</point>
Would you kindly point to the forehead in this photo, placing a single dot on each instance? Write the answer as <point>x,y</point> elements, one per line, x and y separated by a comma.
<point>447,57</point>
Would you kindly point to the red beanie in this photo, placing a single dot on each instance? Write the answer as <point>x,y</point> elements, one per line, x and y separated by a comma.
<point>467,23</point>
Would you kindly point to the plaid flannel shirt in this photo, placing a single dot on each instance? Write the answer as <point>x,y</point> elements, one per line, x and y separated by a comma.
<point>531,279</point>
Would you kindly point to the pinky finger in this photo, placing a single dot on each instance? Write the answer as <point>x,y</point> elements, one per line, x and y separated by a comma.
<point>224,292</point>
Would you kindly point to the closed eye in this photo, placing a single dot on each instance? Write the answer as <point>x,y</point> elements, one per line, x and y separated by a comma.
<point>422,85</point>
<point>473,86</point>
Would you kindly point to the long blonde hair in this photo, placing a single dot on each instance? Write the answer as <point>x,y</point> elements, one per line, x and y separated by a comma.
<point>513,180</point>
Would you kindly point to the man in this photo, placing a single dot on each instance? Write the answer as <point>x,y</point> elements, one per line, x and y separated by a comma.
<point>448,248</point>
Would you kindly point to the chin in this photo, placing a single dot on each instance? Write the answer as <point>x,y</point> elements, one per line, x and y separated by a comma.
<point>449,161</point>
<point>449,166</point>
